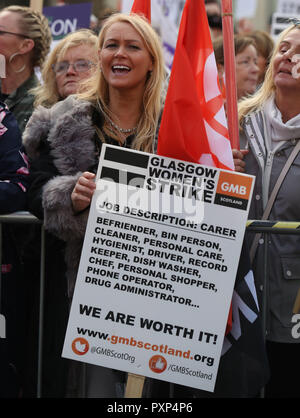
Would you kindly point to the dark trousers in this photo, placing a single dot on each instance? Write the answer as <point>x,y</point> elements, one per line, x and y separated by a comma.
<point>284,360</point>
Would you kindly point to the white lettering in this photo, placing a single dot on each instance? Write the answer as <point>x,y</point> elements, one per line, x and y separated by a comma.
<point>233,188</point>
<point>62,27</point>
<point>296,328</point>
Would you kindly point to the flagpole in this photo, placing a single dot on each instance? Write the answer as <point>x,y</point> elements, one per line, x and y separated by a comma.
<point>229,61</point>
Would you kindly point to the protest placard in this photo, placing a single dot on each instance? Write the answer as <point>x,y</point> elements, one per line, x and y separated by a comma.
<point>291,7</point>
<point>280,21</point>
<point>158,266</point>
<point>67,19</point>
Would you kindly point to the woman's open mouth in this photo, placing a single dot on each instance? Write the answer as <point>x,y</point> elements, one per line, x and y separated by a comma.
<point>120,69</point>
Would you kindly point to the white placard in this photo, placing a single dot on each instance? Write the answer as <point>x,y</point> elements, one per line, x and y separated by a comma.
<point>280,22</point>
<point>291,7</point>
<point>158,267</point>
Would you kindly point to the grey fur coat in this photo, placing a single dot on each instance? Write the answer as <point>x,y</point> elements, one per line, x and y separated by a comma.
<point>68,128</point>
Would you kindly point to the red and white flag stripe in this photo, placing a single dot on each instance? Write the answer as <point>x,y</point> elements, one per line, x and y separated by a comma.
<point>194,126</point>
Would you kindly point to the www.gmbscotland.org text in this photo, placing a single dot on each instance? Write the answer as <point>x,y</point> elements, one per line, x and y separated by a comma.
<point>162,348</point>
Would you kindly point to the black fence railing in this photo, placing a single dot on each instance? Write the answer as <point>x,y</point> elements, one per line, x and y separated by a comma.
<point>28,218</point>
<point>264,227</point>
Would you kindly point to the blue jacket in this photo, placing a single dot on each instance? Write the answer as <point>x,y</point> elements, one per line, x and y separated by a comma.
<point>13,164</point>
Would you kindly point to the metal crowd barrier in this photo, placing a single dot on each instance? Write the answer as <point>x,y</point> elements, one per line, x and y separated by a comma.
<point>28,218</point>
<point>264,227</point>
<point>267,228</point>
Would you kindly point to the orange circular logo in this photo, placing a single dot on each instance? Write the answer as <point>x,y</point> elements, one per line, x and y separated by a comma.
<point>158,364</point>
<point>80,346</point>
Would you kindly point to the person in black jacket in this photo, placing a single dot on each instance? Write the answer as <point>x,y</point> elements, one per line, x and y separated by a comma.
<point>13,164</point>
<point>13,187</point>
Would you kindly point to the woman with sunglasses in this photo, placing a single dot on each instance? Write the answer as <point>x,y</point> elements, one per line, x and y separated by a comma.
<point>25,39</point>
<point>269,139</point>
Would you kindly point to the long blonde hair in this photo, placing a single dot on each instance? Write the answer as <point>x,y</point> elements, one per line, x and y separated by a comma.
<point>47,94</point>
<point>96,88</point>
<point>255,102</point>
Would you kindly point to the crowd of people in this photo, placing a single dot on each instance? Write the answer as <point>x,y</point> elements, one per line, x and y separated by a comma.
<point>109,88</point>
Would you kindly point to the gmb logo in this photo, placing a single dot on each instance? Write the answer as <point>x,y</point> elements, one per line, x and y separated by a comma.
<point>296,327</point>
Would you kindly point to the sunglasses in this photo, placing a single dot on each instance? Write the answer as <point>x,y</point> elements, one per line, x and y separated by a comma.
<point>79,66</point>
<point>3,32</point>
<point>294,20</point>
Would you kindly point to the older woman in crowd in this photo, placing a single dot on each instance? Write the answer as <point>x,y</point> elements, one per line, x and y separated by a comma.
<point>270,132</point>
<point>120,105</point>
<point>246,66</point>
<point>264,45</point>
<point>70,62</point>
<point>25,39</point>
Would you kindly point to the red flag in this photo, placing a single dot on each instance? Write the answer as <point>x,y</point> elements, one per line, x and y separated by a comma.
<point>142,7</point>
<point>194,125</point>
<point>229,61</point>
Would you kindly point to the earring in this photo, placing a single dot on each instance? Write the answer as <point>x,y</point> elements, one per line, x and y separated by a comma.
<point>10,60</point>
<point>149,74</point>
